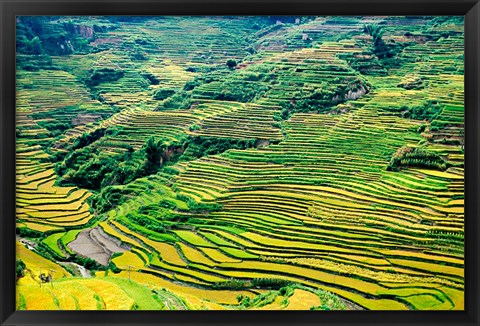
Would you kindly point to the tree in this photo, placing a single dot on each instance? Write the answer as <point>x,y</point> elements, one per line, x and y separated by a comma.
<point>20,268</point>
<point>129,152</point>
<point>380,49</point>
<point>231,63</point>
<point>154,151</point>
<point>375,31</point>
<point>163,93</point>
<point>34,46</point>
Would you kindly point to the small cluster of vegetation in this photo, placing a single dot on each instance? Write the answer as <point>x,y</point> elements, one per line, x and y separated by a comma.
<point>39,35</point>
<point>151,78</point>
<point>239,91</point>
<point>321,100</point>
<point>90,169</point>
<point>329,300</point>
<point>163,93</point>
<point>231,63</point>
<point>34,62</point>
<point>158,152</point>
<point>136,53</point>
<point>262,283</point>
<point>86,262</point>
<point>387,53</point>
<point>110,197</point>
<point>172,99</point>
<point>416,157</point>
<point>25,232</point>
<point>412,83</point>
<point>88,138</point>
<point>380,48</point>
<point>98,76</point>
<point>428,111</point>
<point>146,221</point>
<point>199,208</point>
<point>199,146</point>
<point>56,127</point>
<point>20,269</point>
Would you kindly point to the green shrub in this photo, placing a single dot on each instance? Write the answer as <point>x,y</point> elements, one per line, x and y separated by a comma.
<point>20,268</point>
<point>322,99</point>
<point>86,262</point>
<point>190,85</point>
<point>428,111</point>
<point>102,75</point>
<point>151,78</point>
<point>146,221</point>
<point>232,284</point>
<point>33,46</point>
<point>231,63</point>
<point>199,146</point>
<point>194,127</point>
<point>25,232</point>
<point>56,127</point>
<point>239,298</point>
<point>34,62</point>
<point>270,283</point>
<point>416,157</point>
<point>380,48</point>
<point>163,93</point>
<point>203,207</point>
<point>88,138</point>
<point>87,168</point>
<point>110,197</point>
<point>153,151</point>
<point>239,91</point>
<point>179,100</point>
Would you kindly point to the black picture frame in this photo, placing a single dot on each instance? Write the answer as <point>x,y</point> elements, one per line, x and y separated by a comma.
<point>9,9</point>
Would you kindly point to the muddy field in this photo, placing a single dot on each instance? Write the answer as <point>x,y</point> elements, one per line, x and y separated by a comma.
<point>95,244</point>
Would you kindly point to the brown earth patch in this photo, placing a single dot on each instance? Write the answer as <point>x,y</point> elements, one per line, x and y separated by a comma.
<point>95,244</point>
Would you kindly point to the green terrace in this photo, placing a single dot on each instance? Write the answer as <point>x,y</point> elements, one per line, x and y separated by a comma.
<point>226,150</point>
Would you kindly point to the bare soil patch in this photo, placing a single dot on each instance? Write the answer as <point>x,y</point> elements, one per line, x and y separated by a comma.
<point>95,244</point>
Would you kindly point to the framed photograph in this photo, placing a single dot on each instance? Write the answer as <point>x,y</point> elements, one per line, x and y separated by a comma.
<point>205,162</point>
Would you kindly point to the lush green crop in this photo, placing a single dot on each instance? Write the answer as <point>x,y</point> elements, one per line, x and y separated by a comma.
<point>242,162</point>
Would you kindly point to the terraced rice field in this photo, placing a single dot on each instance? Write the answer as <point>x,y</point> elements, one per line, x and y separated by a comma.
<point>251,164</point>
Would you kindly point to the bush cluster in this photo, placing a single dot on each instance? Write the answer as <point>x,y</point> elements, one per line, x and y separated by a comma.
<point>428,111</point>
<point>25,232</point>
<point>177,100</point>
<point>321,100</point>
<point>90,169</point>
<point>239,91</point>
<point>163,93</point>
<point>96,77</point>
<point>199,146</point>
<point>20,268</point>
<point>38,35</point>
<point>264,283</point>
<point>110,197</point>
<point>146,221</point>
<point>416,157</point>
<point>381,49</point>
